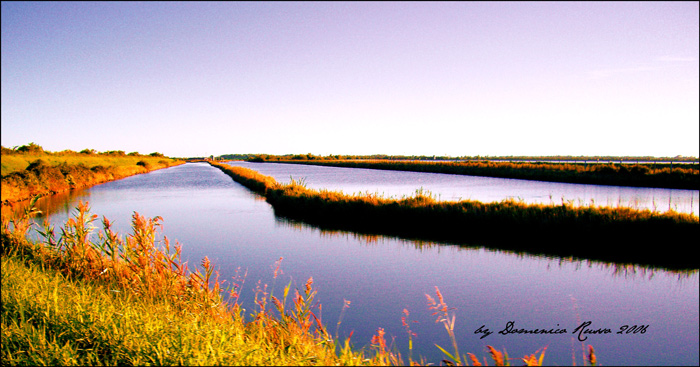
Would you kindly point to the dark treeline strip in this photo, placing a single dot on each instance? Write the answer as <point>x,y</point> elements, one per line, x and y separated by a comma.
<point>637,175</point>
<point>33,148</point>
<point>608,234</point>
<point>563,158</point>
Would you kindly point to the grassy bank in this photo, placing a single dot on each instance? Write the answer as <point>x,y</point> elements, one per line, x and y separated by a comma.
<point>678,176</point>
<point>132,301</point>
<point>29,170</point>
<point>600,233</point>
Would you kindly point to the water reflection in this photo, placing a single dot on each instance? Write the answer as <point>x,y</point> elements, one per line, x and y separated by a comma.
<point>58,203</point>
<point>212,216</point>
<point>66,202</point>
<point>616,269</point>
<point>451,187</point>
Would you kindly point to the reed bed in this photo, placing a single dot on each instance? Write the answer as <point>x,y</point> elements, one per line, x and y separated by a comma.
<point>249,178</point>
<point>599,233</point>
<point>33,171</point>
<point>132,301</point>
<point>679,176</point>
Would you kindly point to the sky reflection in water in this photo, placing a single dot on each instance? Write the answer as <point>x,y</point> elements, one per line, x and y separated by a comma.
<point>212,216</point>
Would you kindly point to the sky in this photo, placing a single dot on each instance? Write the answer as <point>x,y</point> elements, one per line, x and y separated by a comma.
<point>401,78</point>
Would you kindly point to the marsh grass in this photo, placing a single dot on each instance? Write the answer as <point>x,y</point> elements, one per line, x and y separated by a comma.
<point>38,172</point>
<point>638,175</point>
<point>249,178</point>
<point>15,163</point>
<point>593,232</point>
<point>446,316</point>
<point>132,301</point>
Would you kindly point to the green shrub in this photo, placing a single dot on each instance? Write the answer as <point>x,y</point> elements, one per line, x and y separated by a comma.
<point>31,148</point>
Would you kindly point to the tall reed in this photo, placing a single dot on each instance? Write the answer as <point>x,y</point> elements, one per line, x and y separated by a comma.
<point>134,302</point>
<point>144,268</point>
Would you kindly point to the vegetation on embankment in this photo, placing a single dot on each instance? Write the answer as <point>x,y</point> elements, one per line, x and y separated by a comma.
<point>132,301</point>
<point>678,176</point>
<point>510,158</point>
<point>601,233</point>
<point>29,170</point>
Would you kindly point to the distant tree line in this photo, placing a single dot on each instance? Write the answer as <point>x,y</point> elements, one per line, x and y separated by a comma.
<point>309,156</point>
<point>34,149</point>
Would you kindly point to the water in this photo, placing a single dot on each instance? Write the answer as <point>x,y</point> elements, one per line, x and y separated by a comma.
<point>212,216</point>
<point>486,189</point>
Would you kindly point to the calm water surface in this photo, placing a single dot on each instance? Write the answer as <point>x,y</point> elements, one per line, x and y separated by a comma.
<point>212,216</point>
<point>486,189</point>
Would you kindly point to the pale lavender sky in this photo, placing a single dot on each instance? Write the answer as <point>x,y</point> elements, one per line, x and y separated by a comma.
<point>457,78</point>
